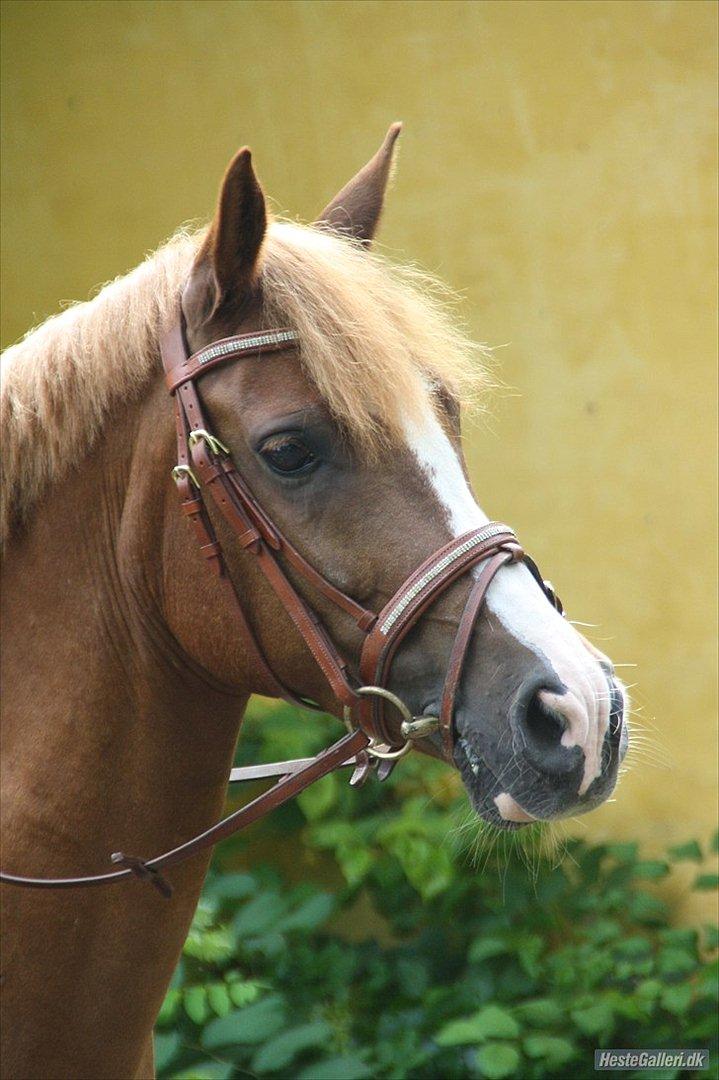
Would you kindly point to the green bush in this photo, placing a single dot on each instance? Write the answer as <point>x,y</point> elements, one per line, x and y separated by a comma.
<point>491,956</point>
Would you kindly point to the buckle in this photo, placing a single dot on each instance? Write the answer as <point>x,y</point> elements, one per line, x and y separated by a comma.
<point>181,472</point>
<point>199,434</point>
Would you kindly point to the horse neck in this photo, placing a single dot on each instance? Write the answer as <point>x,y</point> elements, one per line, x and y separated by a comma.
<point>113,739</point>
<point>111,686</point>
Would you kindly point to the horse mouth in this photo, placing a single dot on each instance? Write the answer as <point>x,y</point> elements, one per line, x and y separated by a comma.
<point>484,788</point>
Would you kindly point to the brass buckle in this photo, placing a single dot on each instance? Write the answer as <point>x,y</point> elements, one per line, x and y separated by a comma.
<point>212,441</point>
<point>413,727</point>
<point>181,471</point>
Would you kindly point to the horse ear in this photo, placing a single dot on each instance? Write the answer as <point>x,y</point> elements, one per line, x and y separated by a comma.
<point>356,210</point>
<point>226,266</point>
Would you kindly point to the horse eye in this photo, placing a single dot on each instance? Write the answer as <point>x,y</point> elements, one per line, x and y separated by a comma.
<point>288,455</point>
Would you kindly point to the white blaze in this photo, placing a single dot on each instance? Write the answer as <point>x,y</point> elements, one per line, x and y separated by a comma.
<point>517,601</point>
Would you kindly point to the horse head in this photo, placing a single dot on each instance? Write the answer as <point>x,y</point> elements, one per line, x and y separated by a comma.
<point>349,440</point>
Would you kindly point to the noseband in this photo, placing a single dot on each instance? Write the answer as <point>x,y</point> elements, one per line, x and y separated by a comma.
<point>204,465</point>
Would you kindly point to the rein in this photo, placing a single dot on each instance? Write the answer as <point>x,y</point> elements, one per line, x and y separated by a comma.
<point>205,467</point>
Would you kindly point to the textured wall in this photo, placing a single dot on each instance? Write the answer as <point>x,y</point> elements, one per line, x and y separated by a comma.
<point>557,166</point>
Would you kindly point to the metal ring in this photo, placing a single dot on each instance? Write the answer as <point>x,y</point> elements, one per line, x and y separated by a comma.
<point>379,691</point>
<point>387,755</point>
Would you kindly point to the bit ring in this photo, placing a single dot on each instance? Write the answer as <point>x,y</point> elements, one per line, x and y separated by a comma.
<point>372,749</point>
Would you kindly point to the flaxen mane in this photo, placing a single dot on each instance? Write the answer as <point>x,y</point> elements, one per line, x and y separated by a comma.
<point>373,337</point>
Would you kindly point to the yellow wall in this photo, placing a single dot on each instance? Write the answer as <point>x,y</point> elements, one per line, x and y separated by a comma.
<point>557,165</point>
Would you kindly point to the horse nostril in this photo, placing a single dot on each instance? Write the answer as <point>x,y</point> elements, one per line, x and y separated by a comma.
<point>542,725</point>
<point>540,728</point>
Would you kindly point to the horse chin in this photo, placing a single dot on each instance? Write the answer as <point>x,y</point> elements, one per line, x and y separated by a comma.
<point>494,804</point>
<point>482,787</point>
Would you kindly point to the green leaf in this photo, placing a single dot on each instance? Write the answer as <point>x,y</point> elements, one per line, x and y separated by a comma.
<point>651,869</point>
<point>218,996</point>
<point>332,834</point>
<point>689,852</point>
<point>231,886</point>
<point>706,881</point>
<point>595,1019</point>
<point>491,1022</point>
<point>633,947</point>
<point>356,862</point>
<point>336,1068</point>
<point>413,977</point>
<point>178,976</point>
<point>207,1070</point>
<point>541,1012</point>
<point>427,866</point>
<point>648,909</point>
<point>709,980</point>
<point>495,1022</point>
<point>258,915</point>
<point>714,843</point>
<point>460,1032</point>
<point>603,930</point>
<point>308,916</point>
<point>284,1048</point>
<point>316,800</point>
<point>244,992</point>
<point>197,1007</point>
<point>209,946</point>
<point>272,946</point>
<point>550,1048</point>
<point>675,962</point>
<point>683,937</point>
<point>529,950</point>
<point>497,1059</point>
<point>711,937</point>
<point>169,1008</point>
<point>484,948</point>
<point>166,1048</point>
<point>623,853</point>
<point>251,1025</point>
<point>677,999</point>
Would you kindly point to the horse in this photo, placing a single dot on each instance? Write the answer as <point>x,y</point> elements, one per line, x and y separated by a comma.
<point>125,673</point>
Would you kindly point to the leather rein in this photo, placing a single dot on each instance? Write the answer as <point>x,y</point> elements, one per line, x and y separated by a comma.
<point>205,468</point>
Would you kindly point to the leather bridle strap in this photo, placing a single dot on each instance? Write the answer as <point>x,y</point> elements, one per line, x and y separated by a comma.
<point>422,589</point>
<point>460,647</point>
<point>292,783</point>
<point>215,471</point>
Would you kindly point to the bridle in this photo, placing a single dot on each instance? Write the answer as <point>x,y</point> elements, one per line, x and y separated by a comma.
<point>205,467</point>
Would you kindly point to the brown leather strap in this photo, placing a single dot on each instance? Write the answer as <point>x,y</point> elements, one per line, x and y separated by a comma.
<point>290,785</point>
<point>409,603</point>
<point>458,655</point>
<point>256,342</point>
<point>253,529</point>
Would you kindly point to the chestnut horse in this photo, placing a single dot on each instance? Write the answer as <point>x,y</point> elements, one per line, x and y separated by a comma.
<point>124,678</point>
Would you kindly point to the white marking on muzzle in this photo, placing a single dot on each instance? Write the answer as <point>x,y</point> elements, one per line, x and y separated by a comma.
<point>510,809</point>
<point>517,601</point>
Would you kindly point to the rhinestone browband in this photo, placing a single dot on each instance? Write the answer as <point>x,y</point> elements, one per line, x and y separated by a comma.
<point>255,341</point>
<point>433,572</point>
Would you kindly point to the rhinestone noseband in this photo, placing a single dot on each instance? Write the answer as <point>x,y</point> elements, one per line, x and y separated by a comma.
<point>205,467</point>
